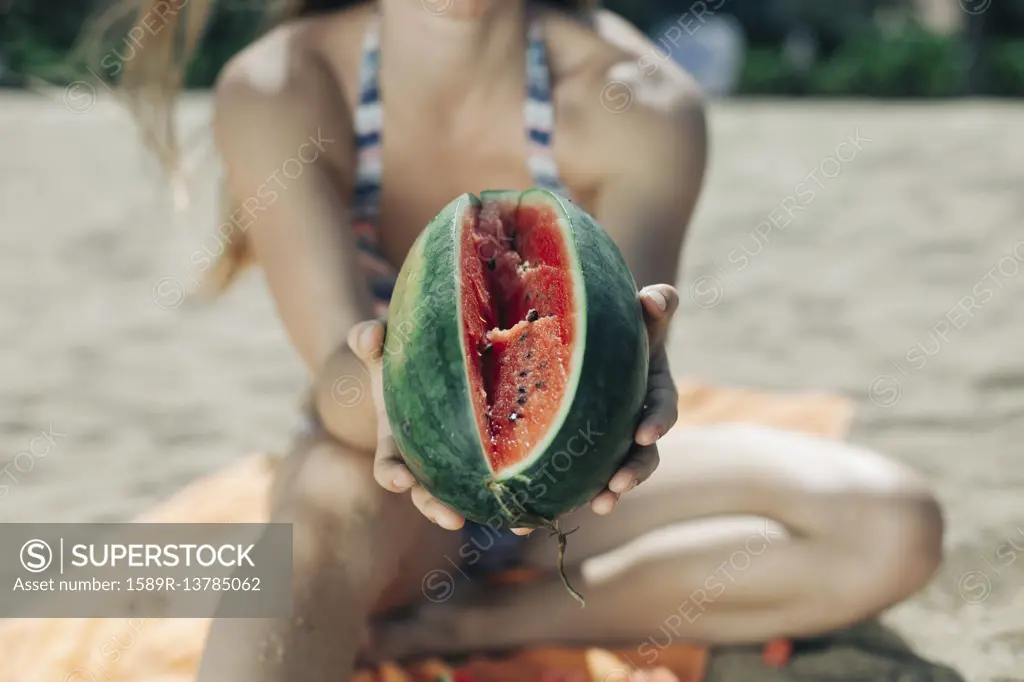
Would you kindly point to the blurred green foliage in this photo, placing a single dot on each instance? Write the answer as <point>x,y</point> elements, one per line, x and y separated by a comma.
<point>858,49</point>
<point>227,33</point>
<point>34,37</point>
<point>909,62</point>
<point>1005,68</point>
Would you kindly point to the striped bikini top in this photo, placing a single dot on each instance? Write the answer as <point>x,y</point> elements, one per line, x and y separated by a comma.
<point>539,116</point>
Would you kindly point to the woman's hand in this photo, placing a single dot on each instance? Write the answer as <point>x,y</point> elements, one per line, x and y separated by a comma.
<point>367,341</point>
<point>659,302</point>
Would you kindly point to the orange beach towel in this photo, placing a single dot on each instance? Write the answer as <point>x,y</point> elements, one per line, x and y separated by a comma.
<point>162,650</point>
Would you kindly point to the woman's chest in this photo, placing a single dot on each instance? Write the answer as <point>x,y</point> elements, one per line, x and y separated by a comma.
<point>425,160</point>
<point>416,182</point>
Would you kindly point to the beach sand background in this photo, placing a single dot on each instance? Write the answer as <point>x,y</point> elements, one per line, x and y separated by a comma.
<point>811,265</point>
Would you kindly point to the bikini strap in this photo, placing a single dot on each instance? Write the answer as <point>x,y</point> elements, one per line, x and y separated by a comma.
<point>368,126</point>
<point>539,110</point>
<point>539,115</point>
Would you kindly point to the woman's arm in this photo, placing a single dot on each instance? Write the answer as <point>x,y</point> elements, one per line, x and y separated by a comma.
<point>656,156</point>
<point>647,140</point>
<point>285,135</point>
<point>653,161</point>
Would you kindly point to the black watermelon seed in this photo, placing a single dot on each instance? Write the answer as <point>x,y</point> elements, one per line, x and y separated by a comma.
<point>522,390</point>
<point>539,384</point>
<point>528,354</point>
<point>522,338</point>
<point>532,316</point>
<point>521,400</point>
<point>523,373</point>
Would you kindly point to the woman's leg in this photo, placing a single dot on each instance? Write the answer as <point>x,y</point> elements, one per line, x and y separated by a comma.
<point>744,534</point>
<point>357,549</point>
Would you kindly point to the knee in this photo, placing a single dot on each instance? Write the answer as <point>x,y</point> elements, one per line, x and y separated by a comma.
<point>897,545</point>
<point>327,493</point>
<point>323,478</point>
<point>920,537</point>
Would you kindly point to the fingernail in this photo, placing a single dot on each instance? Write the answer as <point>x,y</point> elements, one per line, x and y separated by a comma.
<point>403,481</point>
<point>619,483</point>
<point>449,524</point>
<point>366,337</point>
<point>658,298</point>
<point>649,436</point>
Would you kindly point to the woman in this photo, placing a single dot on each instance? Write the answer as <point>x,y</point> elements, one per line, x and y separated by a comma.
<point>835,534</point>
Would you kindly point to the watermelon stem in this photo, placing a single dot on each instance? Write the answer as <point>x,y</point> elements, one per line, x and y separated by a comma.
<point>526,520</point>
<point>555,530</point>
<point>499,490</point>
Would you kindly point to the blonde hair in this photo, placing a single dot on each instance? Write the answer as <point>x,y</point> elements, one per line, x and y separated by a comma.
<point>164,37</point>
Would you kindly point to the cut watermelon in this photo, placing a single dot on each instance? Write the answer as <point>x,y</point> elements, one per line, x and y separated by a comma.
<point>515,363</point>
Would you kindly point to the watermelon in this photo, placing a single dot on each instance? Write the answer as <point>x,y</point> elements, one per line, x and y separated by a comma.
<point>515,360</point>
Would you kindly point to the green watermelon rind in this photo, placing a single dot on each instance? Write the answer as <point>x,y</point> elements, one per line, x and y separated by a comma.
<point>427,397</point>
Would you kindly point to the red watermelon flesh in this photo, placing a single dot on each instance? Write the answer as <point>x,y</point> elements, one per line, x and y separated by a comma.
<point>519,330</point>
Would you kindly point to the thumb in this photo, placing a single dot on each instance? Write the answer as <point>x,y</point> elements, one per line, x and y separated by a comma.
<point>366,340</point>
<point>659,302</point>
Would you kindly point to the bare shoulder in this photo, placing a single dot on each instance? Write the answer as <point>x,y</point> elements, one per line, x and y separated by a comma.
<point>284,88</point>
<point>614,88</point>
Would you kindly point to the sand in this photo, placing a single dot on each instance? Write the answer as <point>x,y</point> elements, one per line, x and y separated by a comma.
<point>884,269</point>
